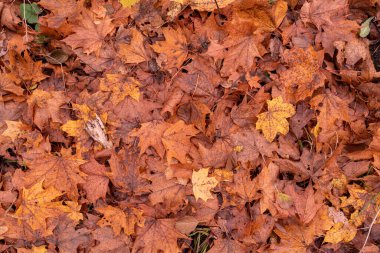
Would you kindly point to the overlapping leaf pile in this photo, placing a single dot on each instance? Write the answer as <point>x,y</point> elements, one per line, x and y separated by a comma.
<point>136,126</point>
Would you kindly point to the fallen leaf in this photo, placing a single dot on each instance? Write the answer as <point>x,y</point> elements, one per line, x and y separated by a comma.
<point>274,121</point>
<point>158,235</point>
<point>186,224</point>
<point>90,33</point>
<point>60,172</point>
<point>61,10</point>
<point>135,51</point>
<point>202,184</point>
<point>176,140</point>
<point>24,69</point>
<point>174,49</point>
<point>37,206</point>
<point>119,220</point>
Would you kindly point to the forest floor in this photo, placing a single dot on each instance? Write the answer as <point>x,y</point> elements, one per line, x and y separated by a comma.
<point>190,126</point>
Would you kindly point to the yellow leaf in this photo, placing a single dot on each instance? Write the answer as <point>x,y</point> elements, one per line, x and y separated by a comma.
<point>36,206</point>
<point>223,175</point>
<point>128,3</point>
<point>341,232</point>
<point>274,120</point>
<point>202,184</point>
<point>39,249</point>
<point>120,87</point>
<point>73,127</point>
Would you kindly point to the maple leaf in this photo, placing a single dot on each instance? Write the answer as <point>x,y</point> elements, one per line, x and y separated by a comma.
<point>37,206</point>
<point>60,11</point>
<point>176,140</point>
<point>274,120</point>
<point>227,245</point>
<point>217,155</point>
<point>202,184</point>
<point>242,52</point>
<point>158,235</point>
<point>90,33</point>
<point>168,192</point>
<point>322,14</point>
<point>135,51</point>
<point>7,85</point>
<point>295,238</point>
<point>96,184</point>
<point>67,238</point>
<point>251,145</point>
<point>118,220</point>
<point>120,87</point>
<point>150,135</point>
<point>303,75</point>
<point>306,203</point>
<point>61,172</point>
<point>24,68</point>
<point>331,109</point>
<point>43,105</point>
<point>108,242</point>
<point>243,186</point>
<point>125,172</point>
<point>174,49</point>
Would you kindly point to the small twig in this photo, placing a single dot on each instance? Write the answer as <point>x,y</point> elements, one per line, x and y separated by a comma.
<point>369,231</point>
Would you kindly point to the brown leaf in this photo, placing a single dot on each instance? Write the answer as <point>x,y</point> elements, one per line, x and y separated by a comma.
<point>322,14</point>
<point>176,140</point>
<point>331,109</point>
<point>24,68</point>
<point>173,51</point>
<point>96,184</point>
<point>158,235</point>
<point>43,106</point>
<point>90,33</point>
<point>135,51</point>
<point>67,238</point>
<point>119,220</point>
<point>303,75</point>
<point>186,224</point>
<point>61,10</point>
<point>61,172</point>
